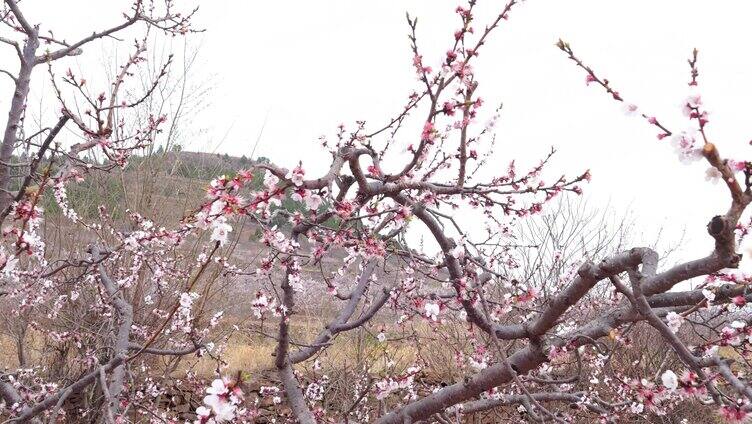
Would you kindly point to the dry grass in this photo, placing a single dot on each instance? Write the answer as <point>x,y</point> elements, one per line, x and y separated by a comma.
<point>8,358</point>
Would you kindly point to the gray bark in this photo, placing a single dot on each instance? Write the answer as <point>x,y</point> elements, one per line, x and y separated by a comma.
<point>17,106</point>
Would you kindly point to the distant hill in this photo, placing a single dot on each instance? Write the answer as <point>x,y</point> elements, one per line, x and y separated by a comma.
<point>195,165</point>
<point>167,184</point>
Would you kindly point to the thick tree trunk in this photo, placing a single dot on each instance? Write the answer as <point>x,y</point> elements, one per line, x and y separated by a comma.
<point>17,106</point>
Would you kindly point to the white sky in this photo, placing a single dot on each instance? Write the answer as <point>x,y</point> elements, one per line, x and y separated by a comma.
<point>313,64</point>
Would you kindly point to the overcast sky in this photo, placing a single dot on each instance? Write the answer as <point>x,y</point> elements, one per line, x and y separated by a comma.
<point>305,66</point>
<point>314,64</point>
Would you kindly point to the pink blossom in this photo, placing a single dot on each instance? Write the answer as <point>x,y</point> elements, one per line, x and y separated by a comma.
<point>245,175</point>
<point>373,170</point>
<point>449,107</point>
<point>684,147</point>
<point>556,352</point>
<point>418,63</point>
<point>270,180</point>
<point>733,414</point>
<point>737,165</point>
<point>691,104</point>
<point>429,133</point>
<point>313,201</point>
<point>345,209</point>
<point>296,176</point>
<point>374,247</point>
<point>299,194</point>
<point>527,296</point>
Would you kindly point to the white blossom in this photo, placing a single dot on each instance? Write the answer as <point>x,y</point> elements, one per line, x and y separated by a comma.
<point>629,109</point>
<point>674,321</point>
<point>712,175</point>
<point>738,324</point>
<point>221,230</point>
<point>669,379</point>
<point>432,311</point>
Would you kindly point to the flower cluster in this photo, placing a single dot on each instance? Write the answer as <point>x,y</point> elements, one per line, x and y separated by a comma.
<point>221,403</point>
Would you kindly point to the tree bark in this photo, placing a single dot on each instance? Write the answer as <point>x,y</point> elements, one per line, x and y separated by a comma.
<point>17,106</point>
